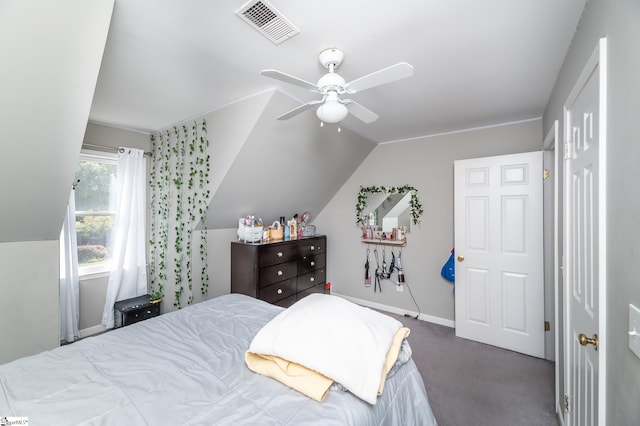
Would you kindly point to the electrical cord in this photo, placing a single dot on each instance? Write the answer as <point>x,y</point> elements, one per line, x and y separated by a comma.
<point>414,301</point>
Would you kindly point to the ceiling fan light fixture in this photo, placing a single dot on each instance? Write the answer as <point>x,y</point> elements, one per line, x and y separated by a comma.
<point>332,111</point>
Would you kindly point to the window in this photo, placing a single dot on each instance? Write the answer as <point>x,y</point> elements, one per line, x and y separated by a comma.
<point>95,210</point>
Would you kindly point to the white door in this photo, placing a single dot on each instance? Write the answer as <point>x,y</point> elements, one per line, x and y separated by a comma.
<point>584,240</point>
<point>499,288</point>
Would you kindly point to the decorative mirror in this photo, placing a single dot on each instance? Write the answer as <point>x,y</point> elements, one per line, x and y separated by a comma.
<point>388,207</point>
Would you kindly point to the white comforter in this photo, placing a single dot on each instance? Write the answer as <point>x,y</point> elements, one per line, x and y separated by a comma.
<point>338,339</point>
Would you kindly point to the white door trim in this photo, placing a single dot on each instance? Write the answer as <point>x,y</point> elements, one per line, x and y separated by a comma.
<point>551,144</point>
<point>598,59</point>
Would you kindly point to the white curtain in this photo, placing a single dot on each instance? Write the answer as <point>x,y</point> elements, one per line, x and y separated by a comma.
<point>128,276</point>
<point>69,280</point>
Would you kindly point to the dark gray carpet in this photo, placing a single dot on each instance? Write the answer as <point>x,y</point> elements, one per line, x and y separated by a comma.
<point>470,383</point>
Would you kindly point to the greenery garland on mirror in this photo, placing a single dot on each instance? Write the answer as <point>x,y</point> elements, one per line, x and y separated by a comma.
<point>414,204</point>
<point>179,180</point>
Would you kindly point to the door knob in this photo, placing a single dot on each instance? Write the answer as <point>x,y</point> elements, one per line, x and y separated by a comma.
<point>460,258</point>
<point>584,340</point>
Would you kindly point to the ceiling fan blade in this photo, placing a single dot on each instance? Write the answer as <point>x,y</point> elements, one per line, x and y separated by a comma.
<point>289,79</point>
<point>298,110</point>
<point>360,112</point>
<point>383,76</point>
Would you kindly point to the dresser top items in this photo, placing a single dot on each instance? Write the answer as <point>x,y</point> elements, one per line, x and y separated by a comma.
<point>272,242</point>
<point>252,230</point>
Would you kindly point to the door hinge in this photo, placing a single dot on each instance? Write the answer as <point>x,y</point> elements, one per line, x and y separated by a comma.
<point>567,151</point>
<point>547,326</point>
<point>566,403</point>
<point>545,174</point>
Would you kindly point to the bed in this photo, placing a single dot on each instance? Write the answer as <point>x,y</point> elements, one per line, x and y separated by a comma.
<point>188,368</point>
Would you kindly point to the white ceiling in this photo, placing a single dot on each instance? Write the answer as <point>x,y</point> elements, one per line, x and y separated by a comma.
<point>477,63</point>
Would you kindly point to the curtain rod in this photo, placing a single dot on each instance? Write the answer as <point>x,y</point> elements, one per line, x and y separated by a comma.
<point>110,149</point>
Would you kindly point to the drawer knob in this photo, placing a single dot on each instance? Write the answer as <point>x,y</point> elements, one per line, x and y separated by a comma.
<point>279,291</point>
<point>279,273</point>
<point>312,279</point>
<point>313,263</point>
<point>279,254</point>
<point>313,248</point>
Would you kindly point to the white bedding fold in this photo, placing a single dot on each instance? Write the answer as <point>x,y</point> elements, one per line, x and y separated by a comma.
<point>334,337</point>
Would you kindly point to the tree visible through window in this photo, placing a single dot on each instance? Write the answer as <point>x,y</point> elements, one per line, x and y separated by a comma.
<point>95,211</point>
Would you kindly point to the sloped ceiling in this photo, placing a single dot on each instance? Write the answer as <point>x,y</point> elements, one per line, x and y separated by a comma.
<point>51,54</point>
<point>476,62</point>
<point>284,167</point>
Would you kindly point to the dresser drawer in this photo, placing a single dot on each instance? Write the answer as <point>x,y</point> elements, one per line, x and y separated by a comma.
<point>310,279</point>
<point>311,246</point>
<point>310,263</point>
<point>318,288</point>
<point>285,303</point>
<point>272,255</point>
<point>278,291</point>
<point>279,272</point>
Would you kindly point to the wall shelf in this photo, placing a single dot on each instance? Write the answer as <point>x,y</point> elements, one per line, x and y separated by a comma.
<point>401,243</point>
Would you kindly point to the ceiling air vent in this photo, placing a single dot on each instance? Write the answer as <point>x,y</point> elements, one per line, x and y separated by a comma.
<point>267,20</point>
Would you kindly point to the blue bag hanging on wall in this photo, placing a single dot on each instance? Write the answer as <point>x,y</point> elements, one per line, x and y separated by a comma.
<point>449,269</point>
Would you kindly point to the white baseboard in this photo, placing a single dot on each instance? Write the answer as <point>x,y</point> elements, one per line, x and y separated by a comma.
<point>399,311</point>
<point>90,331</point>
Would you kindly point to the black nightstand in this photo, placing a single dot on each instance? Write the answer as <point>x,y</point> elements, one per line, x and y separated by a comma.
<point>129,311</point>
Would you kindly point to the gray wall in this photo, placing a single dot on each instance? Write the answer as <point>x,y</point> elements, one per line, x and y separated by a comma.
<point>280,167</point>
<point>47,84</point>
<point>93,294</point>
<point>113,137</point>
<point>619,21</point>
<point>427,164</point>
<point>29,295</point>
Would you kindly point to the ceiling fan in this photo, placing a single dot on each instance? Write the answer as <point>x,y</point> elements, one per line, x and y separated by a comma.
<point>332,109</point>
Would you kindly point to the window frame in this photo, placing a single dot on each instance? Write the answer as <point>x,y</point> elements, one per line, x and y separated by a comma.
<point>103,269</point>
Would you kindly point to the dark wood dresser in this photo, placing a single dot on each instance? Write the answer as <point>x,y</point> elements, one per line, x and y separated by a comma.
<point>279,272</point>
